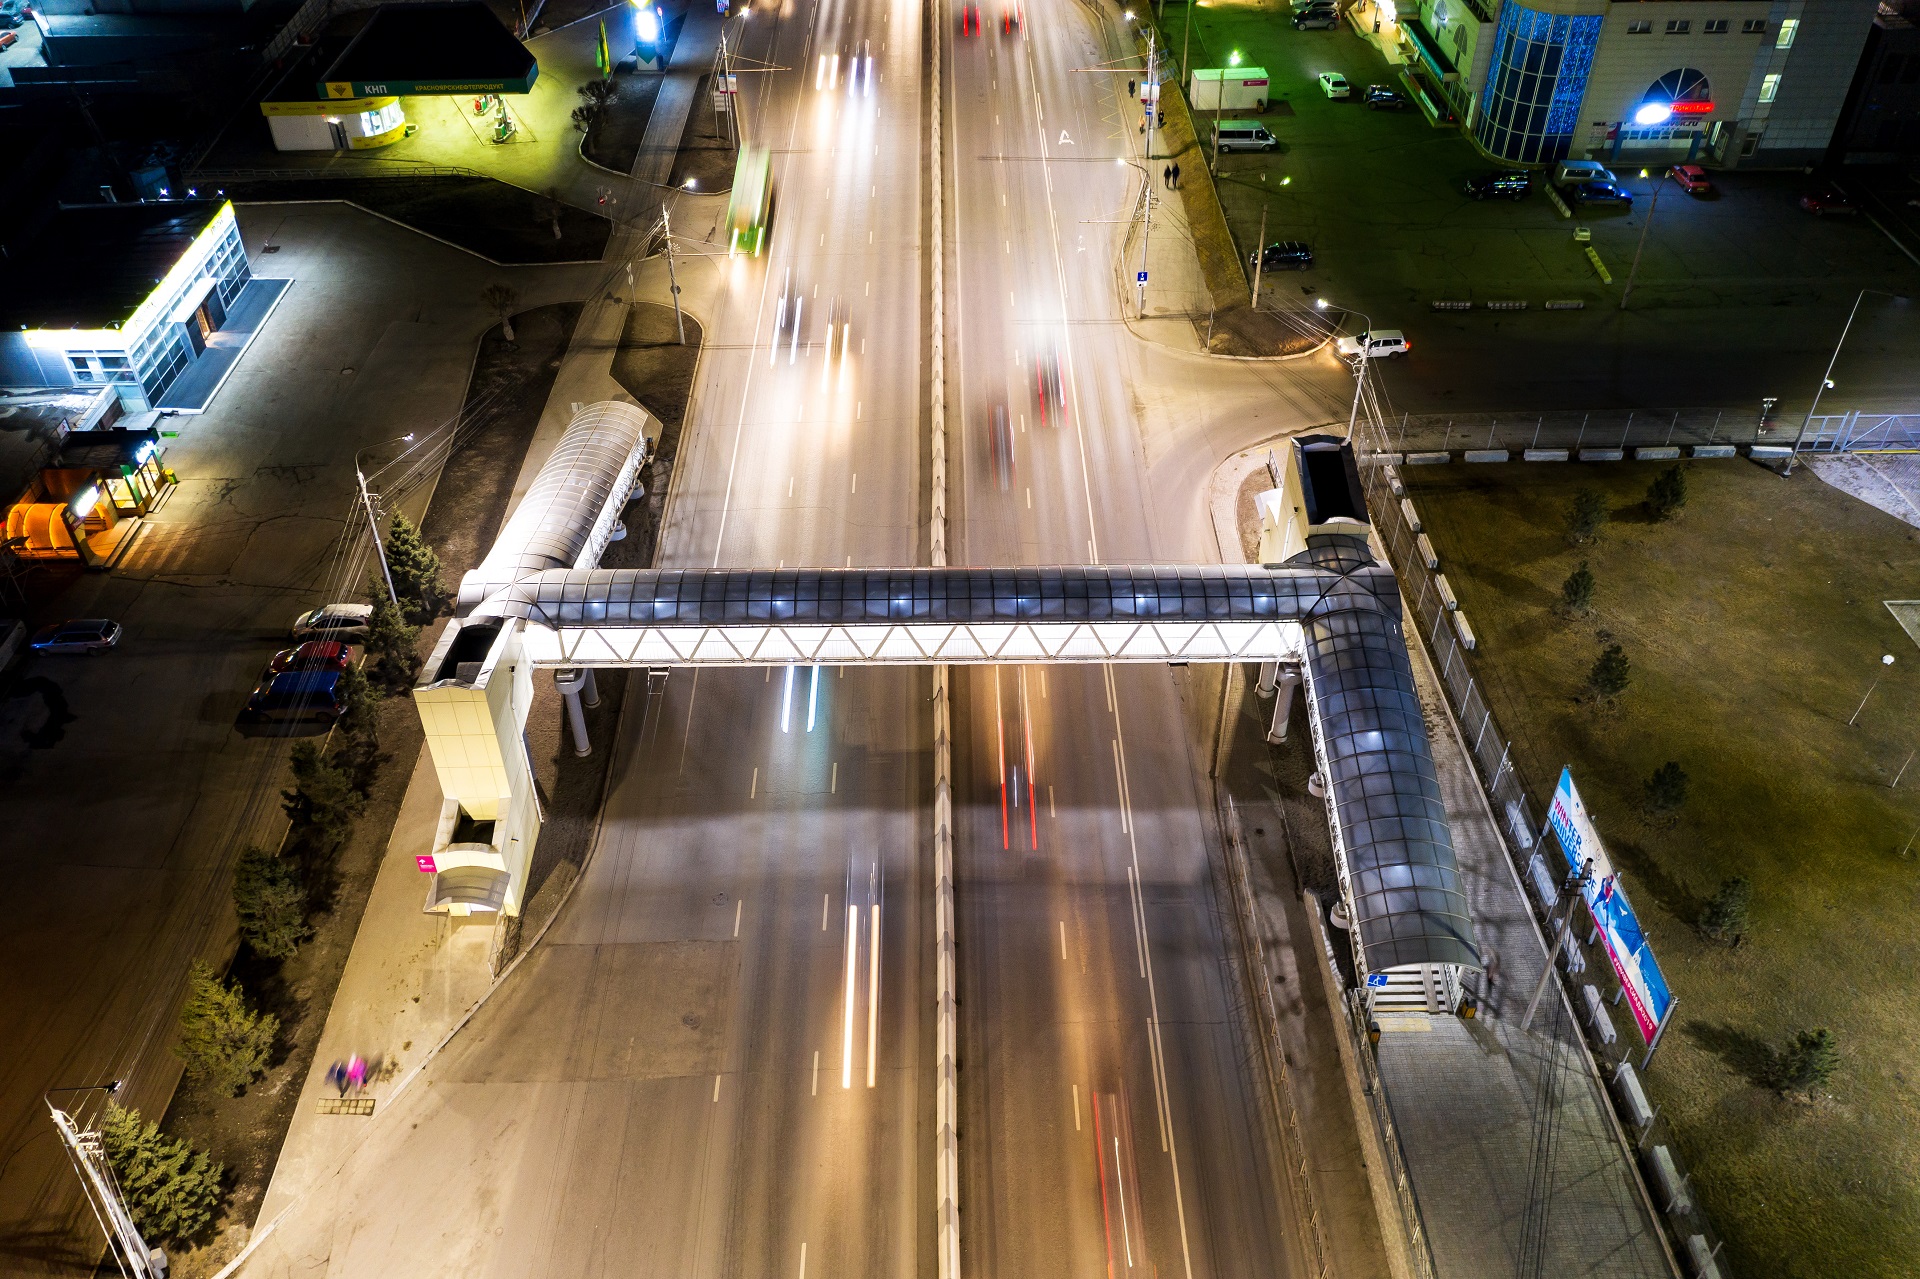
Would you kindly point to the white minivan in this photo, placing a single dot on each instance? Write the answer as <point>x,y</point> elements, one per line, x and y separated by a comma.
<point>1568,172</point>
<point>1243,135</point>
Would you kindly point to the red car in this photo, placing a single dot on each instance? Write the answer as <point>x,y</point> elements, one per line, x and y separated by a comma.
<point>970,20</point>
<point>1693,179</point>
<point>314,655</point>
<point>1827,199</point>
<point>1009,19</point>
<point>7,39</point>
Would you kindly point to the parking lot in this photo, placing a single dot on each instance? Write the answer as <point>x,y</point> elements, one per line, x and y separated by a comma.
<point>1378,195</point>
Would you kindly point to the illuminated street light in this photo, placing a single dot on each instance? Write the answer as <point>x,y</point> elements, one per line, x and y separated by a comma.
<point>1886,660</point>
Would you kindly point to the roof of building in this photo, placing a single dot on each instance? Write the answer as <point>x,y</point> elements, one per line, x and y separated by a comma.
<point>459,47</point>
<point>91,266</point>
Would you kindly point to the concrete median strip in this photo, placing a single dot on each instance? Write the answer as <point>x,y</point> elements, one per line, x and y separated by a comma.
<point>1599,267</point>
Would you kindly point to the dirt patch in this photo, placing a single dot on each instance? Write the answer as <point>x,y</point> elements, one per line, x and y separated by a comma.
<point>499,222</point>
<point>1241,330</point>
<point>614,143</point>
<point>707,153</point>
<point>1755,624</point>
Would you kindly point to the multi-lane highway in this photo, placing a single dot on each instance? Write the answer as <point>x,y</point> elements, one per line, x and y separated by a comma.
<point>717,1062</point>
<point>1109,1120</point>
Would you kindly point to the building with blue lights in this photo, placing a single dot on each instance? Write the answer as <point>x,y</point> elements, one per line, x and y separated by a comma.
<point>1759,82</point>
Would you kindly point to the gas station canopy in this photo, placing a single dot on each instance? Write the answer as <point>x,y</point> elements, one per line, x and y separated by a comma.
<point>430,49</point>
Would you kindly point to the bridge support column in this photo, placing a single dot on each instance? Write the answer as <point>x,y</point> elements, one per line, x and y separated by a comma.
<point>574,683</point>
<point>1269,672</point>
<point>1288,682</point>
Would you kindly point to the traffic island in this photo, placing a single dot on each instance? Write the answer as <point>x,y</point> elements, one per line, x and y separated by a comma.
<point>1755,623</point>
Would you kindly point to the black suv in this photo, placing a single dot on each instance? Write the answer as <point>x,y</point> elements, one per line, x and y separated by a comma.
<point>1284,255</point>
<point>1381,98</point>
<point>1510,186</point>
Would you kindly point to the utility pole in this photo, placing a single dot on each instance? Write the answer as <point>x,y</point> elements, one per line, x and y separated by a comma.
<point>1146,213</point>
<point>1568,891</point>
<point>1826,379</point>
<point>373,522</point>
<point>131,1254</point>
<point>673,279</point>
<point>1259,261</point>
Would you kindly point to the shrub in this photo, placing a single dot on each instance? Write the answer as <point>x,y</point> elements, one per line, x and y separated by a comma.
<point>1665,793</point>
<point>414,565</point>
<point>1609,675</point>
<point>392,641</point>
<point>171,1189</point>
<point>1807,1063</point>
<point>1584,516</point>
<point>1668,493</point>
<point>222,1040</point>
<point>1725,917</point>
<point>1576,593</point>
<point>501,299</point>
<point>271,900</point>
<point>323,801</point>
<point>358,753</point>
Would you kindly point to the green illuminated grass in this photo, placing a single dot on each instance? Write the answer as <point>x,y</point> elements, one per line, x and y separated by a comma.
<point>1754,623</point>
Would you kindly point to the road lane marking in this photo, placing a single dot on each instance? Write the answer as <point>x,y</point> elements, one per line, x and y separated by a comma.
<point>1159,1066</point>
<point>753,792</point>
<point>1120,1181</point>
<point>790,483</point>
<point>738,905</point>
<point>1063,941</point>
<point>1133,917</point>
<point>856,489</point>
<point>826,904</point>
<point>803,1259</point>
<point>1043,683</point>
<point>1076,1107</point>
<point>834,785</point>
<point>873,996</point>
<point>1050,813</point>
<point>816,1072</point>
<point>846,1021</point>
<point>1120,786</point>
<point>716,1090</point>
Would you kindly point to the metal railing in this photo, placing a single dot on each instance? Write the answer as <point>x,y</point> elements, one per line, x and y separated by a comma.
<point>1647,428</point>
<point>338,172</point>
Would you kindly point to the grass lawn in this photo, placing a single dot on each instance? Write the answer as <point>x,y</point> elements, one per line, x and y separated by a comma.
<point>1754,623</point>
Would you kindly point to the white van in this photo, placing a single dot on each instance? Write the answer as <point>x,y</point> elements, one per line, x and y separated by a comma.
<point>1570,171</point>
<point>1243,135</point>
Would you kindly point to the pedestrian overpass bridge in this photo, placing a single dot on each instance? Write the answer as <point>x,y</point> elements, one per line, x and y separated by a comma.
<point>1324,613</point>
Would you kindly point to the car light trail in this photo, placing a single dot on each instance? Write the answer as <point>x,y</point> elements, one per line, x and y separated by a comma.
<point>786,702</point>
<point>846,1027</point>
<point>813,696</point>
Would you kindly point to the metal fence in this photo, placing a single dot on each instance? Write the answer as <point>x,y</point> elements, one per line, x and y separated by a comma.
<point>1492,753</point>
<point>337,172</point>
<point>1648,428</point>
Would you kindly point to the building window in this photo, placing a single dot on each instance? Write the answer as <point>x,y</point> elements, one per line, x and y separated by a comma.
<point>1753,27</point>
<point>82,368</point>
<point>1536,78</point>
<point>1748,145</point>
<point>1678,26</point>
<point>1769,86</point>
<point>1715,26</point>
<point>1639,27</point>
<point>1787,28</point>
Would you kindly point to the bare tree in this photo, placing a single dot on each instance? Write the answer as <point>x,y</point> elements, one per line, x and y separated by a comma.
<point>501,299</point>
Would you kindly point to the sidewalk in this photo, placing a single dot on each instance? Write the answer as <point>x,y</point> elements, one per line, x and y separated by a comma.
<point>1468,1096</point>
<point>413,978</point>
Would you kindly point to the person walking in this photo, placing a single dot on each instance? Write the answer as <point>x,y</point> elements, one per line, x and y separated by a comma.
<point>337,1077</point>
<point>357,1073</point>
<point>1131,88</point>
<point>1166,174</point>
<point>1176,174</point>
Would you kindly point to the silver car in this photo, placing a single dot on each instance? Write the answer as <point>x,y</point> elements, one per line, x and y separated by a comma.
<point>77,635</point>
<point>344,622</point>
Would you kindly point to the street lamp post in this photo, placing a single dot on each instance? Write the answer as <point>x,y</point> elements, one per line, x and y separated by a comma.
<point>1826,379</point>
<point>373,519</point>
<point>1359,365</point>
<point>1886,660</point>
<point>1652,208</point>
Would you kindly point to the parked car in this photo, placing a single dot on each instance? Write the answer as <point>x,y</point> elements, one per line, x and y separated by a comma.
<point>1377,344</point>
<point>1507,185</point>
<point>1316,6</point>
<point>1582,171</point>
<point>1598,193</point>
<point>344,622</point>
<point>1825,199</point>
<point>1243,135</point>
<point>1335,85</point>
<point>1284,255</point>
<point>1315,20</point>
<point>1380,98</point>
<point>77,635</point>
<point>1693,179</point>
<point>294,695</point>
<point>314,655</point>
<point>8,39</point>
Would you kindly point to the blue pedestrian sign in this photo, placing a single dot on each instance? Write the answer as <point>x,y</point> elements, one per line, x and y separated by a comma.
<point>1140,277</point>
<point>1376,981</point>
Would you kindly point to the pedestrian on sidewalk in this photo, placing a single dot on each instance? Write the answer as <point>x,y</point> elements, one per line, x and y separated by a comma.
<point>1131,88</point>
<point>1176,173</point>
<point>357,1073</point>
<point>1160,118</point>
<point>337,1077</point>
<point>1493,979</point>
<point>1166,175</point>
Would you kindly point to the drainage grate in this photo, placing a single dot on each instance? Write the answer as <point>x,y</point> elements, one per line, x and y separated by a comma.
<point>1506,306</point>
<point>1566,304</point>
<point>362,1106</point>
<point>1452,306</point>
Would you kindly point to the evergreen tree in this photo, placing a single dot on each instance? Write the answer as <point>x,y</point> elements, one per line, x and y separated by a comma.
<point>414,566</point>
<point>222,1040</point>
<point>1576,593</point>
<point>171,1189</point>
<point>323,801</point>
<point>1665,793</point>
<point>1609,675</point>
<point>1725,917</point>
<point>271,900</point>
<point>359,753</point>
<point>1584,516</point>
<point>391,641</point>
<point>1808,1062</point>
<point>1668,493</point>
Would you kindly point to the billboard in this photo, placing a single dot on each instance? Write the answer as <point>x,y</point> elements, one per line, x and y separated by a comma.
<point>1620,930</point>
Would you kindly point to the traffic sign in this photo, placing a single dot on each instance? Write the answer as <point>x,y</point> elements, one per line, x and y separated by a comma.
<point>1140,277</point>
<point>1376,981</point>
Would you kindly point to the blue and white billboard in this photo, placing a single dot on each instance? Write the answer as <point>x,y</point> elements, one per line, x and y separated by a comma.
<point>1620,930</point>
